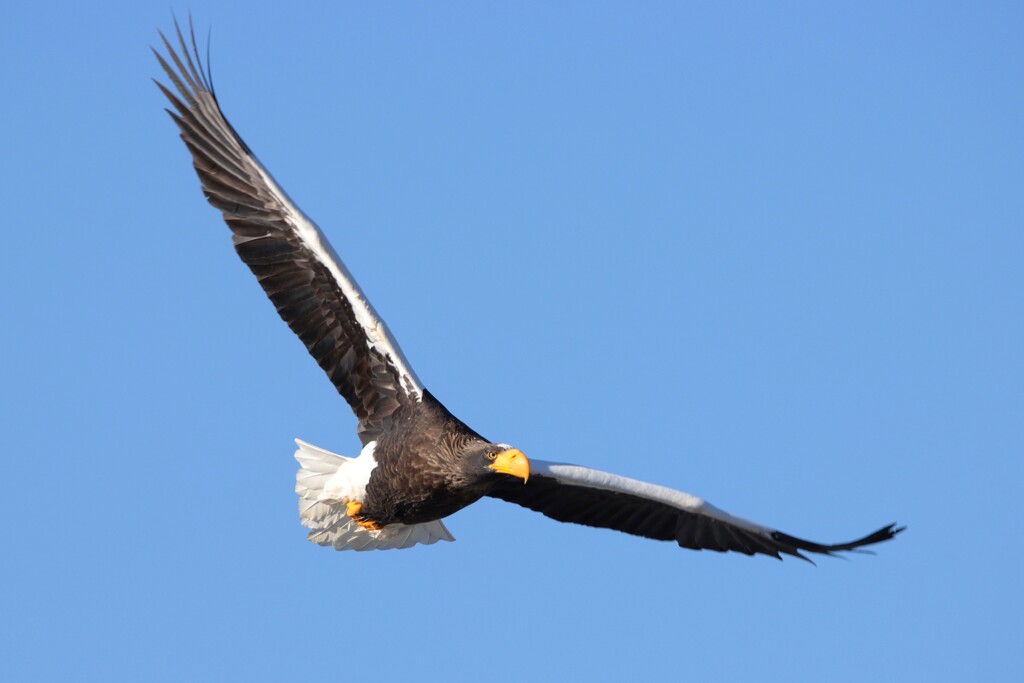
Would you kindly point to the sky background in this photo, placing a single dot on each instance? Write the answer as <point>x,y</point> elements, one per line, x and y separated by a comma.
<point>769,255</point>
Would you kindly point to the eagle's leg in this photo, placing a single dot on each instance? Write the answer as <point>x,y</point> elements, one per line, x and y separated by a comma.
<point>352,509</point>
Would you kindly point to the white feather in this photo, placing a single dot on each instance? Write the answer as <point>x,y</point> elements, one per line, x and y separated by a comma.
<point>574,475</point>
<point>377,334</point>
<point>326,481</point>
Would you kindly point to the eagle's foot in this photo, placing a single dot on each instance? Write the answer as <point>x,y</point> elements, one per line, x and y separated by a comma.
<point>352,509</point>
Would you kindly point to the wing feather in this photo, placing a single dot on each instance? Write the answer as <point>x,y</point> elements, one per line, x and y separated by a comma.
<point>570,493</point>
<point>291,258</point>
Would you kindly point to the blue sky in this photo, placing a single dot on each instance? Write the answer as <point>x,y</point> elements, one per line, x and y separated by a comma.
<point>766,255</point>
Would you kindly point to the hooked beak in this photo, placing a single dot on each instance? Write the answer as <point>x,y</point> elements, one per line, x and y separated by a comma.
<point>512,462</point>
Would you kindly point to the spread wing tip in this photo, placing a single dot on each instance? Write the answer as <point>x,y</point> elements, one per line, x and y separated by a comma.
<point>792,545</point>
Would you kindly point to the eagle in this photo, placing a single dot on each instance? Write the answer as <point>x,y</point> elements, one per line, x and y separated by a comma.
<point>419,463</point>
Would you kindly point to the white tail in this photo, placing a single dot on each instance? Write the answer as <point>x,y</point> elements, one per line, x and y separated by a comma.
<point>326,481</point>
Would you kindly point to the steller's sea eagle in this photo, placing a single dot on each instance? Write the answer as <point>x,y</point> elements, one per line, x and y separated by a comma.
<point>419,463</point>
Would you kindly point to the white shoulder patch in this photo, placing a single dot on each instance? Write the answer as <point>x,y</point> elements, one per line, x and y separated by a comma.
<point>377,334</point>
<point>575,475</point>
<point>326,481</point>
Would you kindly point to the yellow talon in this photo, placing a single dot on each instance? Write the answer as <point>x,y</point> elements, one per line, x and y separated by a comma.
<point>352,509</point>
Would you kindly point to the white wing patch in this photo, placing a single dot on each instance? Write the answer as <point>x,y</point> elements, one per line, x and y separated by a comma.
<point>377,334</point>
<point>326,481</point>
<point>574,475</point>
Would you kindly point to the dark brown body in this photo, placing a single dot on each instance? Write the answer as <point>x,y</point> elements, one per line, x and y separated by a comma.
<point>423,472</point>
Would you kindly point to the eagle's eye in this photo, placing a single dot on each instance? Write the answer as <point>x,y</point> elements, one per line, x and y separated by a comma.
<point>491,455</point>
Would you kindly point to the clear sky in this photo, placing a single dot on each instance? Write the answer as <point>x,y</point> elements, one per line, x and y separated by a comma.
<point>769,254</point>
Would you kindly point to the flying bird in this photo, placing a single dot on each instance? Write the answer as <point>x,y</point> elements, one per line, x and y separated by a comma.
<point>418,463</point>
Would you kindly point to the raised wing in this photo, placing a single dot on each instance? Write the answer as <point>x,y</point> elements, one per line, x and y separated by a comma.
<point>570,493</point>
<point>309,285</point>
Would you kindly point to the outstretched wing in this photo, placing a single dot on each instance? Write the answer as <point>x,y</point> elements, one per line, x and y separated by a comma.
<point>570,493</point>
<point>309,285</point>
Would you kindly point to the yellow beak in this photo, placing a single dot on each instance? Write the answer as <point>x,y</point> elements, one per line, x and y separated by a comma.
<point>512,462</point>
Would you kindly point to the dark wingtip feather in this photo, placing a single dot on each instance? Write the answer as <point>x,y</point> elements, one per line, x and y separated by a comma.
<point>884,534</point>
